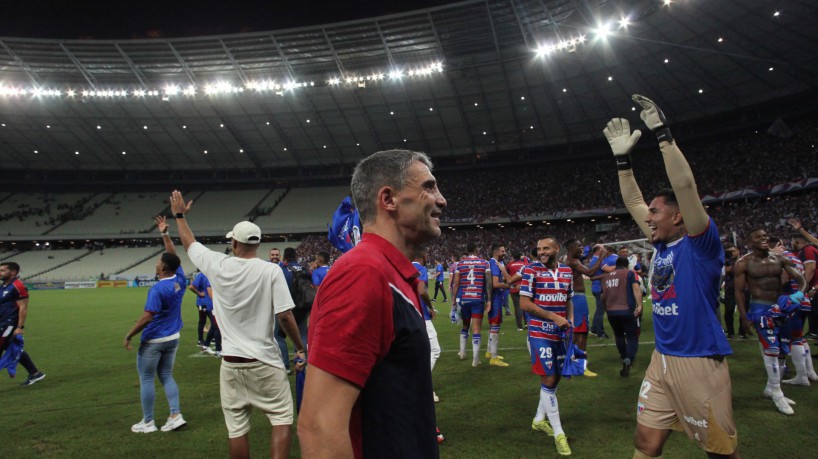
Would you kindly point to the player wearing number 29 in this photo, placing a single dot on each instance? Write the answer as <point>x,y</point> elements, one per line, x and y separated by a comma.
<point>545,295</point>
<point>687,384</point>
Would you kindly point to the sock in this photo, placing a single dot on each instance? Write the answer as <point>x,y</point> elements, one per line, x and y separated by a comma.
<point>464,336</point>
<point>475,347</point>
<point>552,409</point>
<point>773,378</point>
<point>782,364</point>
<point>541,405</point>
<point>808,359</point>
<point>492,342</point>
<point>798,362</point>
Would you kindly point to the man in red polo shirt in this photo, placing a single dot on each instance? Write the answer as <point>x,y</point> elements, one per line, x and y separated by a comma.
<point>367,334</point>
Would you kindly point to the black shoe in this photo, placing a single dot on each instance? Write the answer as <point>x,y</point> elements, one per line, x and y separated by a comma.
<point>603,335</point>
<point>730,336</point>
<point>742,336</point>
<point>33,378</point>
<point>626,368</point>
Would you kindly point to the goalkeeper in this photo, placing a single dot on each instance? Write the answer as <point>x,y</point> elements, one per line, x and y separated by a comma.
<point>687,384</point>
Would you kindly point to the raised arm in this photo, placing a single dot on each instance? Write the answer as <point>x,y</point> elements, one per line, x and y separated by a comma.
<point>796,225</point>
<point>179,209</point>
<point>162,226</point>
<point>789,267</point>
<point>622,141</point>
<point>678,170</point>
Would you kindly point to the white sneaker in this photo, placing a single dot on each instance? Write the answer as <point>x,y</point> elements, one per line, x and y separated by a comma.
<point>476,363</point>
<point>462,355</point>
<point>782,405</point>
<point>207,350</point>
<point>796,381</point>
<point>173,423</point>
<point>217,354</point>
<point>812,376</point>
<point>768,393</point>
<point>143,427</point>
<point>435,397</point>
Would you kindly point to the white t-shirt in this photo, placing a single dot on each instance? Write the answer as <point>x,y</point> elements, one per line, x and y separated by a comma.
<point>245,292</point>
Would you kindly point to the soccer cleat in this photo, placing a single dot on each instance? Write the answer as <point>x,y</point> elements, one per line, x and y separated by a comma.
<point>812,376</point>
<point>488,356</point>
<point>589,373</point>
<point>173,423</point>
<point>33,378</point>
<point>497,363</point>
<point>476,363</point>
<point>626,368</point>
<point>144,427</point>
<point>439,435</point>
<point>542,426</point>
<point>561,442</point>
<point>796,381</point>
<point>435,397</point>
<point>768,393</point>
<point>462,355</point>
<point>782,405</point>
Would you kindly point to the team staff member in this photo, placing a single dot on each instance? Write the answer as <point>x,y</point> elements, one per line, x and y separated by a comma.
<point>367,335</point>
<point>439,281</point>
<point>13,315</point>
<point>162,322</point>
<point>687,384</point>
<point>204,304</point>
<point>248,293</point>
<point>622,293</point>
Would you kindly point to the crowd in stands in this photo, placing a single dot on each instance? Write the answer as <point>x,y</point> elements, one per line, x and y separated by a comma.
<point>757,159</point>
<point>518,194</point>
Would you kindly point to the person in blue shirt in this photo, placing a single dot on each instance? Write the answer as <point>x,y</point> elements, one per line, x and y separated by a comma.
<point>322,267</point>
<point>429,311</point>
<point>687,383</point>
<point>439,281</point>
<point>13,315</point>
<point>608,265</point>
<point>204,304</point>
<point>160,324</point>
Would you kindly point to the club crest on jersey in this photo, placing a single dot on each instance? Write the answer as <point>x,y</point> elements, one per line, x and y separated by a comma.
<point>549,364</point>
<point>640,407</point>
<point>663,273</point>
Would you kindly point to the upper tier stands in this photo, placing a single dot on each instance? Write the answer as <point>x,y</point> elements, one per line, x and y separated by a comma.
<point>132,212</point>
<point>304,210</point>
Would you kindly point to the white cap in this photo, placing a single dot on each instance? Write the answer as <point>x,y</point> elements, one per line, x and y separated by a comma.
<point>246,232</point>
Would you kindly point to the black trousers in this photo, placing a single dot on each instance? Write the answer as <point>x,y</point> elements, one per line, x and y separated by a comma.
<point>626,333</point>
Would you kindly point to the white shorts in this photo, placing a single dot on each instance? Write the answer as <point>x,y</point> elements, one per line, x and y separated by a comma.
<point>243,386</point>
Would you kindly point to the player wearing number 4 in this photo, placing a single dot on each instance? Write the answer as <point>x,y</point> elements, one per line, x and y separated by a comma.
<point>687,384</point>
<point>471,290</point>
<point>545,295</point>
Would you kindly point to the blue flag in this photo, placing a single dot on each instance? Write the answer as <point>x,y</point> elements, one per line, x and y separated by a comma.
<point>575,358</point>
<point>345,229</point>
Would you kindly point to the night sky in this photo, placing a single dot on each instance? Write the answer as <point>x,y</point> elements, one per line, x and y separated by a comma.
<point>121,19</point>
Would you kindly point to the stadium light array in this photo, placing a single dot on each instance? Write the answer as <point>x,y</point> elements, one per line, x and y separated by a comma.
<point>218,88</point>
<point>569,45</point>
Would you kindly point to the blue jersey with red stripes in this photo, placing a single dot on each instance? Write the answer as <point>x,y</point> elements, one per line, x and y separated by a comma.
<point>685,295</point>
<point>12,292</point>
<point>423,276</point>
<point>549,289</point>
<point>472,278</point>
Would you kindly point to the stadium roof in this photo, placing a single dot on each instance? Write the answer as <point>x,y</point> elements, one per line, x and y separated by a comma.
<point>475,77</point>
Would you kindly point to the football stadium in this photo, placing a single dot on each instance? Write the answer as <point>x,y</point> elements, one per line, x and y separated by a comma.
<point>665,280</point>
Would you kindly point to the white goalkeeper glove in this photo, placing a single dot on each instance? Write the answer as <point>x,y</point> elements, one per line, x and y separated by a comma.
<point>653,117</point>
<point>622,141</point>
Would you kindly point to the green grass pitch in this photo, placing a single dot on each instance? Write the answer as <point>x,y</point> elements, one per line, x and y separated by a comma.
<point>87,403</point>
